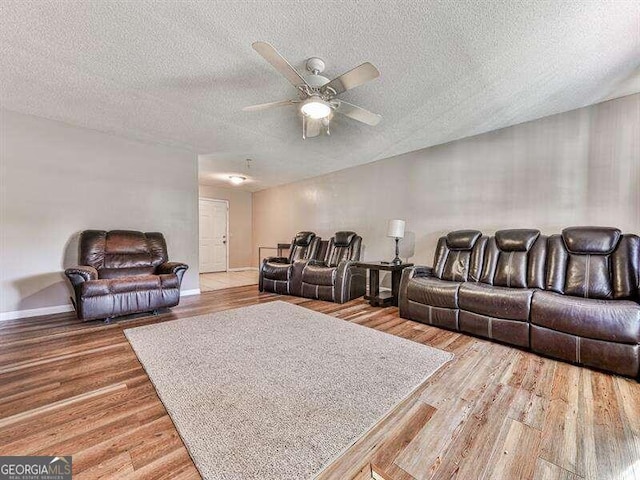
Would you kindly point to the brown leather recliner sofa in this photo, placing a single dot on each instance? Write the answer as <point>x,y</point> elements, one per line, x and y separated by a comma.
<point>123,272</point>
<point>325,273</point>
<point>573,296</point>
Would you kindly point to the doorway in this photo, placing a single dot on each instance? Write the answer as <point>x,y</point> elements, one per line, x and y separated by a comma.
<point>214,231</point>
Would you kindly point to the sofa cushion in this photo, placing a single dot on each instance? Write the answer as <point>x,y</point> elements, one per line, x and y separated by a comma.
<point>318,292</point>
<point>610,320</point>
<point>434,292</point>
<point>303,246</point>
<point>133,284</point>
<point>516,240</point>
<point>513,332</point>
<point>591,240</point>
<point>498,302</point>
<point>343,239</point>
<point>318,275</point>
<point>616,357</point>
<point>124,272</point>
<point>95,288</point>
<point>436,316</point>
<point>276,286</point>
<point>276,271</point>
<point>303,239</point>
<point>462,239</point>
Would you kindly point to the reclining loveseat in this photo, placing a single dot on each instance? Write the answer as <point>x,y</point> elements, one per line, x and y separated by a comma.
<point>573,296</point>
<point>123,272</point>
<point>323,270</point>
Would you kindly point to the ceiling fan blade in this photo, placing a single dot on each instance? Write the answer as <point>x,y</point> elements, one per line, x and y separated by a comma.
<point>271,55</point>
<point>264,106</point>
<point>353,78</point>
<point>358,113</point>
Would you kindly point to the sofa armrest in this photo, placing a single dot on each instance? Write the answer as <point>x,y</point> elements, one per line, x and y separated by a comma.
<point>276,260</point>
<point>420,271</point>
<point>351,281</point>
<point>280,260</point>
<point>313,261</point>
<point>407,275</point>
<point>80,274</point>
<point>172,267</point>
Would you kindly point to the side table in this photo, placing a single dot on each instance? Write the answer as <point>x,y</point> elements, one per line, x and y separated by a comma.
<point>279,248</point>
<point>375,297</point>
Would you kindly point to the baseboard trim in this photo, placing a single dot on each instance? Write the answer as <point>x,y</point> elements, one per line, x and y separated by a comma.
<point>36,312</point>
<point>187,293</point>
<point>242,269</point>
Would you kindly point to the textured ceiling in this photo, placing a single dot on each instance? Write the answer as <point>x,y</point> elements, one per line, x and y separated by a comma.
<point>178,72</point>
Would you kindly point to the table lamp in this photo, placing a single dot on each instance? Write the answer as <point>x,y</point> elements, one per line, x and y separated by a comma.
<point>395,229</point>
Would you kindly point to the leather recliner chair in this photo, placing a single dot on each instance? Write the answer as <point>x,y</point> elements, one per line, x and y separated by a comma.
<point>123,272</point>
<point>336,278</point>
<point>275,272</point>
<point>430,295</point>
<point>498,305</point>
<point>589,312</point>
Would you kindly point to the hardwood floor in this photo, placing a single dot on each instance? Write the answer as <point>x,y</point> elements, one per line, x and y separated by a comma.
<point>71,388</point>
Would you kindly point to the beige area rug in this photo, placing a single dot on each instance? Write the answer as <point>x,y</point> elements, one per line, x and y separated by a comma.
<point>276,391</point>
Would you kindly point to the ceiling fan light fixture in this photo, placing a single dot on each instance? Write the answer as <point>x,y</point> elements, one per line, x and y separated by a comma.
<point>237,179</point>
<point>316,93</point>
<point>315,108</point>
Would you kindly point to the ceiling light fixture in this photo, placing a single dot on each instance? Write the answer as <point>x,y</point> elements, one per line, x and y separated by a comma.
<point>316,108</point>
<point>236,179</point>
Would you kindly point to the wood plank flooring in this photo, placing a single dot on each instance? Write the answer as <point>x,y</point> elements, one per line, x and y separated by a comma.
<point>494,412</point>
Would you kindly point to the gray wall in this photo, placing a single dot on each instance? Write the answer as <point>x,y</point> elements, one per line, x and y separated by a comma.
<point>57,180</point>
<point>240,244</point>
<point>579,167</point>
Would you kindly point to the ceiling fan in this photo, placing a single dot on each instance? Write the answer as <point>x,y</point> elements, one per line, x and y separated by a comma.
<point>317,94</point>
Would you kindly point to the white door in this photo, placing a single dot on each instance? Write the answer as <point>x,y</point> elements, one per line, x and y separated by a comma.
<point>213,235</point>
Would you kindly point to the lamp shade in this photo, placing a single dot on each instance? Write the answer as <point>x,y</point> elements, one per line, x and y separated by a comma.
<point>395,229</point>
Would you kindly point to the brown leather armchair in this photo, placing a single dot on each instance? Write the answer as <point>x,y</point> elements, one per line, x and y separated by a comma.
<point>275,272</point>
<point>123,272</point>
<point>336,278</point>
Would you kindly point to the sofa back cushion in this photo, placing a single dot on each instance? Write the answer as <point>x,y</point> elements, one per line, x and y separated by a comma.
<point>343,246</point>
<point>458,256</point>
<point>119,253</point>
<point>303,246</point>
<point>515,258</point>
<point>594,262</point>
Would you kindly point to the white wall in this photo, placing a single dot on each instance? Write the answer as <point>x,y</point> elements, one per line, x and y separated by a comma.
<point>576,168</point>
<point>57,180</point>
<point>240,225</point>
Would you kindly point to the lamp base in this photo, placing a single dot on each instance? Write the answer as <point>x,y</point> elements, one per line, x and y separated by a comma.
<point>397,260</point>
